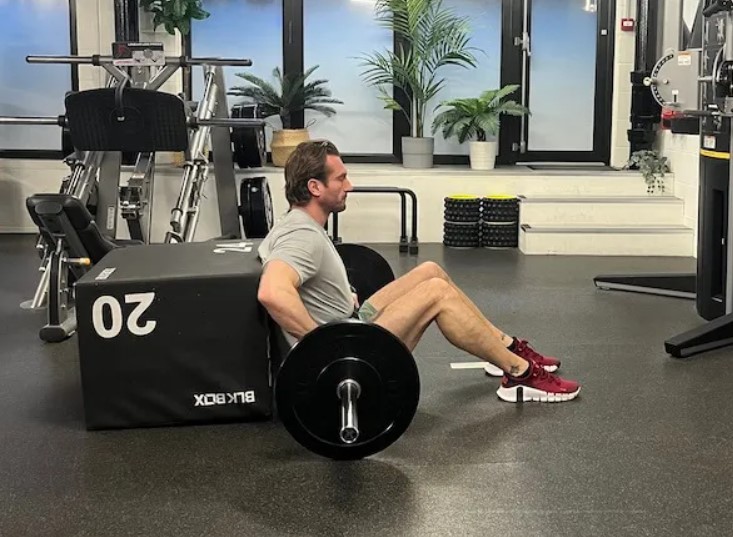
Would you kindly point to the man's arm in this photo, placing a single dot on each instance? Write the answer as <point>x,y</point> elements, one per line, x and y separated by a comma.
<point>278,293</point>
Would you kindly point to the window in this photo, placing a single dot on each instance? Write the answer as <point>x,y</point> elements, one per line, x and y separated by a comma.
<point>33,27</point>
<point>335,34</point>
<point>485,31</point>
<point>562,74</point>
<point>239,29</point>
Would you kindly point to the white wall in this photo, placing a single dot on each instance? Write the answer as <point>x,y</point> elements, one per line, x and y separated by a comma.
<point>624,52</point>
<point>682,150</point>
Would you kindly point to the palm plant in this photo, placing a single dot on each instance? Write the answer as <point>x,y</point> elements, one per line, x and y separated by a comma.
<point>429,37</point>
<point>477,118</point>
<point>294,94</point>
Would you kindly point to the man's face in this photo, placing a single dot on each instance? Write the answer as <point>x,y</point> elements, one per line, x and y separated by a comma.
<point>332,193</point>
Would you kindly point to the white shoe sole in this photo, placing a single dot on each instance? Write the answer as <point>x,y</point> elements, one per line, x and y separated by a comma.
<point>524,394</point>
<point>493,371</point>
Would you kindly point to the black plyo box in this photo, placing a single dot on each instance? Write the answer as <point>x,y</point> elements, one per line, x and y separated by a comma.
<point>173,334</point>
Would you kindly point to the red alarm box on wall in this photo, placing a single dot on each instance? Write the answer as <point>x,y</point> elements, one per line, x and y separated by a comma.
<point>627,24</point>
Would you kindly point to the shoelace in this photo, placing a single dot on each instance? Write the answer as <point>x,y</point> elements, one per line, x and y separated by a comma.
<point>541,373</point>
<point>523,347</point>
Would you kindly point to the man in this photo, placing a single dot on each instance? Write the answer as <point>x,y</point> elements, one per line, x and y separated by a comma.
<point>304,284</point>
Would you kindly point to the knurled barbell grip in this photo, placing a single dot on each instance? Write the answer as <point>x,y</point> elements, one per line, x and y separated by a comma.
<point>348,392</point>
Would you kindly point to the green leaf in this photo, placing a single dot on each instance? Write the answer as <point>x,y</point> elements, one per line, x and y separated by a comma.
<point>290,94</point>
<point>467,118</point>
<point>436,38</point>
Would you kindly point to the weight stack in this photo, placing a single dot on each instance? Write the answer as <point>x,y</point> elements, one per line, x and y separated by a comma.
<point>462,221</point>
<point>500,222</point>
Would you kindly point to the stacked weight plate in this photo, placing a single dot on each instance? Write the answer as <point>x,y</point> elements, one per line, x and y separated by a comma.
<point>462,221</point>
<point>500,222</point>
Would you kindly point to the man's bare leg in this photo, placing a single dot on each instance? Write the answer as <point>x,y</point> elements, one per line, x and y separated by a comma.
<point>423,272</point>
<point>437,300</point>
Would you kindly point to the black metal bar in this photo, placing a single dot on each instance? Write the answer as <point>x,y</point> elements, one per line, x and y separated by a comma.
<point>73,44</point>
<point>511,73</point>
<point>335,235</point>
<point>187,71</point>
<point>645,111</point>
<point>33,154</point>
<point>403,222</point>
<point>293,49</point>
<point>604,81</point>
<point>226,190</point>
<point>127,20</point>
<point>412,247</point>
<point>400,122</point>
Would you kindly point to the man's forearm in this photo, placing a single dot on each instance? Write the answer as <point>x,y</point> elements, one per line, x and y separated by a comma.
<point>288,311</point>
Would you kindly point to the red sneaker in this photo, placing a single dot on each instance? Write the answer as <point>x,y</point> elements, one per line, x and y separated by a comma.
<point>523,350</point>
<point>539,385</point>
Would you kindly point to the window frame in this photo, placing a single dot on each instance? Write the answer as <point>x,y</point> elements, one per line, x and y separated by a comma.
<point>50,154</point>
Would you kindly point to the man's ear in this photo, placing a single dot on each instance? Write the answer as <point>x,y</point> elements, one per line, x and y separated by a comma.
<point>314,187</point>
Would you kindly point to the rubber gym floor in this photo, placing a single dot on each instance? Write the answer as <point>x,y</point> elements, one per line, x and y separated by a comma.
<point>645,449</point>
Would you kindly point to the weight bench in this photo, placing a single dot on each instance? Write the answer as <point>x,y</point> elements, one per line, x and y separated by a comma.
<point>75,243</point>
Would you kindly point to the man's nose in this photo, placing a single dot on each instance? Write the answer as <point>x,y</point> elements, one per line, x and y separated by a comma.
<point>348,185</point>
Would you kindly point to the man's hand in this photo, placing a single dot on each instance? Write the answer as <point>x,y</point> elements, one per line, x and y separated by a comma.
<point>356,300</point>
<point>278,293</point>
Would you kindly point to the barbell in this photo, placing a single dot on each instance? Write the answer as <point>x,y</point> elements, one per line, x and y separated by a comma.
<point>349,389</point>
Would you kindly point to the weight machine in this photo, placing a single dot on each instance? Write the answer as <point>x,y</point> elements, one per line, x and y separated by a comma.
<point>129,116</point>
<point>699,83</point>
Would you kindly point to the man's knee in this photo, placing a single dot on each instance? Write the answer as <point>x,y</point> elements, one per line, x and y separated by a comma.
<point>437,287</point>
<point>432,270</point>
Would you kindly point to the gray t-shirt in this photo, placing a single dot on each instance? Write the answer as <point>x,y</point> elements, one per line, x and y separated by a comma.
<point>302,243</point>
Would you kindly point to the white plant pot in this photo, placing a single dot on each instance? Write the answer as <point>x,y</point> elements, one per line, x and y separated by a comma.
<point>482,155</point>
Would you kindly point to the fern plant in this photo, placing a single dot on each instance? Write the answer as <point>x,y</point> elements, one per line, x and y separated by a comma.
<point>477,118</point>
<point>434,38</point>
<point>652,166</point>
<point>172,14</point>
<point>292,94</point>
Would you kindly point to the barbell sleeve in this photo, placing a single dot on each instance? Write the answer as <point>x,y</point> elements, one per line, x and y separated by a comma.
<point>348,392</point>
<point>58,121</point>
<point>63,59</point>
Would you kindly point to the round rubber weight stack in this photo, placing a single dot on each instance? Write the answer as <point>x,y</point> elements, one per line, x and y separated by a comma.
<point>462,208</point>
<point>461,235</point>
<point>500,234</point>
<point>500,209</point>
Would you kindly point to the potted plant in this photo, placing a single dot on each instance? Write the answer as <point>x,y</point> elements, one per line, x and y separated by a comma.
<point>174,14</point>
<point>430,37</point>
<point>294,94</point>
<point>652,167</point>
<point>478,118</point>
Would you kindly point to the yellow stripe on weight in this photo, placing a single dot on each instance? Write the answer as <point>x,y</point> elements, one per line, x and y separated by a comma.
<point>500,197</point>
<point>462,197</point>
<point>715,154</point>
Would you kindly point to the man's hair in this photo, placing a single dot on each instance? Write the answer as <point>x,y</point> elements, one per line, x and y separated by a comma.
<point>307,162</point>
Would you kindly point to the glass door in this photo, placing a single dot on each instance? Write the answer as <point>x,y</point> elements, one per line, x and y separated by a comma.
<point>560,52</point>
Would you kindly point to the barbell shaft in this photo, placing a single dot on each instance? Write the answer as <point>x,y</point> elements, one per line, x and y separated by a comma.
<point>224,122</point>
<point>348,392</point>
<point>180,61</point>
